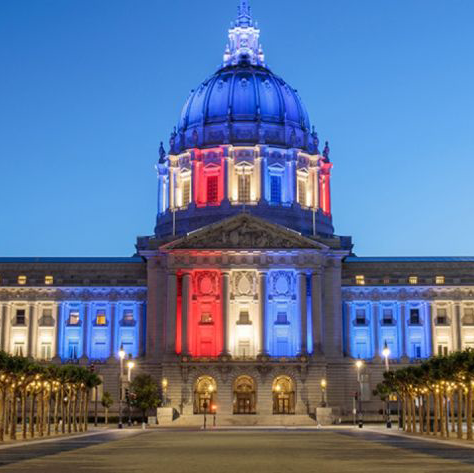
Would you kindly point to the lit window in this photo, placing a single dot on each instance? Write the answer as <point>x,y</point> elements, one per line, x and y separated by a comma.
<point>206,318</point>
<point>414,317</point>
<point>74,318</point>
<point>439,279</point>
<point>186,192</point>
<point>45,351</point>
<point>212,186</point>
<point>20,318</point>
<point>73,349</point>
<point>128,317</point>
<point>46,319</point>
<point>360,279</point>
<point>22,280</point>
<point>48,280</point>
<point>275,189</point>
<point>244,187</point>
<point>413,279</point>
<point>302,192</point>
<point>442,350</point>
<point>100,318</point>
<point>468,318</point>
<point>19,349</point>
<point>386,280</point>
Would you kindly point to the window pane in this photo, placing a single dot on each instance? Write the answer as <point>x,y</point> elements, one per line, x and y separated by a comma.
<point>212,186</point>
<point>275,189</point>
<point>244,188</point>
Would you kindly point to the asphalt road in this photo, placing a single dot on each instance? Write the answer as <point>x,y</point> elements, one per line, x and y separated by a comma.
<point>251,451</point>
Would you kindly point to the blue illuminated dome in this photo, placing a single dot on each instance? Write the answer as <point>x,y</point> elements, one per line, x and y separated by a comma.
<point>244,104</point>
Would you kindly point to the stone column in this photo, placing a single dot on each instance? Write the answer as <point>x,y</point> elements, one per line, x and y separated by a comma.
<point>457,326</point>
<point>31,329</point>
<point>35,320</point>
<point>403,328</point>
<point>185,306</point>
<point>262,277</point>
<point>113,311</point>
<point>303,312</point>
<point>427,329</point>
<point>375,328</point>
<point>225,312</point>
<point>316,311</point>
<point>7,323</point>
<point>141,328</point>
<point>434,348</point>
<point>85,329</point>
<point>263,176</point>
<point>172,295</point>
<point>3,313</point>
<point>347,328</point>
<point>59,328</point>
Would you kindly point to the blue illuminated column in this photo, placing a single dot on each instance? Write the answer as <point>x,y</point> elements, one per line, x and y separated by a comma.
<point>264,342</point>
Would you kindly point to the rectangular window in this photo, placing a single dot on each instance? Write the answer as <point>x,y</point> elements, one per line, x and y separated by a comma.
<point>361,349</point>
<point>46,350</point>
<point>386,280</point>
<point>128,317</point>
<point>439,279</point>
<point>74,317</point>
<point>244,318</point>
<point>360,279</point>
<point>48,280</point>
<point>20,318</point>
<point>387,317</point>
<point>186,192</point>
<point>442,350</point>
<point>46,319</point>
<point>302,192</point>
<point>416,350</point>
<point>282,318</point>
<point>101,318</point>
<point>441,316</point>
<point>212,189</point>
<point>414,317</point>
<point>468,318</point>
<point>22,280</point>
<point>73,349</point>
<point>413,279</point>
<point>206,318</point>
<point>360,317</point>
<point>275,189</point>
<point>244,348</point>
<point>244,187</point>
<point>19,349</point>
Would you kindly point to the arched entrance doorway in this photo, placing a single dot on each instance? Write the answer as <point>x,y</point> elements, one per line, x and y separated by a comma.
<point>205,393</point>
<point>245,397</point>
<point>283,395</point>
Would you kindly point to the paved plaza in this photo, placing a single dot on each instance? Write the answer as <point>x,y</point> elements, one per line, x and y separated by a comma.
<point>275,451</point>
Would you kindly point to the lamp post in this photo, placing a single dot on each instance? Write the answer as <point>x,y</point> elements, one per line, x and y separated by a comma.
<point>214,412</point>
<point>121,357</point>
<point>386,354</point>
<point>130,366</point>
<point>323,389</point>
<point>359,364</point>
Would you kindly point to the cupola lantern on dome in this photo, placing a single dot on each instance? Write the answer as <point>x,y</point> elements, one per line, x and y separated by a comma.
<point>244,143</point>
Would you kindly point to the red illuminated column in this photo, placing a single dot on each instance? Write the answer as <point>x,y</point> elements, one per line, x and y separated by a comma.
<point>171,312</point>
<point>185,313</point>
<point>325,189</point>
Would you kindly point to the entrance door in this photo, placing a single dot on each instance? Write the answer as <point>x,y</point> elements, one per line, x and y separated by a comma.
<point>244,404</point>
<point>244,395</point>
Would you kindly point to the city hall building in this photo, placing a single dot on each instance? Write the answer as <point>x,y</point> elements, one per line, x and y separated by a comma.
<point>244,298</point>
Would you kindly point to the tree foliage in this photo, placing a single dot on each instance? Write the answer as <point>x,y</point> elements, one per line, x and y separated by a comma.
<point>144,393</point>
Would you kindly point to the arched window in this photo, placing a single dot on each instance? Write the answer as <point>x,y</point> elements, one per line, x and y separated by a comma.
<point>283,395</point>
<point>205,394</point>
<point>245,396</point>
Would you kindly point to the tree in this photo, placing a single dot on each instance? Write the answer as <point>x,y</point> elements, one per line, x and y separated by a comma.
<point>144,393</point>
<point>107,402</point>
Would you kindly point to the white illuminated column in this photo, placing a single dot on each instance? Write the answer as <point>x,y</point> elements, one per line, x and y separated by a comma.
<point>359,365</point>
<point>121,357</point>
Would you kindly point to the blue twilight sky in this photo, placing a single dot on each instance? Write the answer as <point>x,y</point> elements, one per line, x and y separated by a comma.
<point>88,89</point>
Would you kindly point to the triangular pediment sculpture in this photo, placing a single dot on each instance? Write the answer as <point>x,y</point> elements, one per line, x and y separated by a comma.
<point>244,231</point>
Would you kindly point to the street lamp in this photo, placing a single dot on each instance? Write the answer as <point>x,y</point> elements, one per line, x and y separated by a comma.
<point>323,389</point>
<point>359,364</point>
<point>386,354</point>
<point>130,366</point>
<point>121,357</point>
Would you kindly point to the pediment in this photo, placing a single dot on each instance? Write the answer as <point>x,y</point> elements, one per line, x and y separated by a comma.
<point>244,231</point>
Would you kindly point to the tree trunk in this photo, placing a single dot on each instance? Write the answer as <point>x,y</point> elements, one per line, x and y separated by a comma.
<point>86,417</point>
<point>3,413</point>
<point>68,409</point>
<point>428,413</point>
<point>435,413</point>
<point>106,416</point>
<point>459,412</point>
<point>56,411</point>
<point>23,412</point>
<point>14,416</point>
<point>409,413</point>
<point>453,411</point>
<point>48,413</point>
<point>469,410</point>
<point>41,414</point>
<point>413,415</point>
<point>442,414</point>
<point>63,411</point>
<point>32,414</point>
<point>74,410</point>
